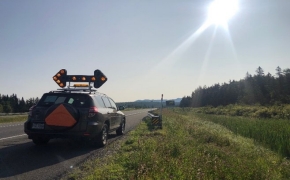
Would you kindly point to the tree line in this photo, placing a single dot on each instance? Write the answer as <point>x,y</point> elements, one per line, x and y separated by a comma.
<point>12,104</point>
<point>261,88</point>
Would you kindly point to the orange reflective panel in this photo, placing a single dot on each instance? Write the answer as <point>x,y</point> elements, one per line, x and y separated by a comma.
<point>60,117</point>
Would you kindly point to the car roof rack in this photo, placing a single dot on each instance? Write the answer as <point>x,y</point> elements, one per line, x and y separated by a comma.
<point>71,89</point>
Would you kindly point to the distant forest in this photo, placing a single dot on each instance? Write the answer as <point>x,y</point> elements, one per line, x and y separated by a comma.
<point>12,104</point>
<point>259,89</point>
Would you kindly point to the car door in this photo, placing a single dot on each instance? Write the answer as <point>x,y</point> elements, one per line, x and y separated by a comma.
<point>110,112</point>
<point>118,117</point>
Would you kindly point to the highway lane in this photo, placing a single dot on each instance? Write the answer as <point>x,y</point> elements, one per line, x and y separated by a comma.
<point>8,130</point>
<point>21,159</point>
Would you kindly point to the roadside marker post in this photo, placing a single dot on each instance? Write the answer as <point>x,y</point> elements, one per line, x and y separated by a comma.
<point>161,105</point>
<point>157,120</point>
<point>160,116</point>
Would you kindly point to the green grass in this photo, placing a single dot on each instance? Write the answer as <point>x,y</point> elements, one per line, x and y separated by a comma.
<point>281,111</point>
<point>269,126</point>
<point>188,147</point>
<point>272,133</point>
<point>13,118</point>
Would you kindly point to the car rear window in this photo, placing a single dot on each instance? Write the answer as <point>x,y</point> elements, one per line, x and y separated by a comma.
<point>77,100</point>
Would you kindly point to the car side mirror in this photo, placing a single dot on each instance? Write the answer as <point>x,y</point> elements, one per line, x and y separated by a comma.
<point>121,107</point>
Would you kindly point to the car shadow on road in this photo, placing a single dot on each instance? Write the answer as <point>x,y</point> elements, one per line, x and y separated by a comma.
<point>26,158</point>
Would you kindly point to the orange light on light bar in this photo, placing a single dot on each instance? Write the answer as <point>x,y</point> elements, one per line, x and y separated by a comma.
<point>81,85</point>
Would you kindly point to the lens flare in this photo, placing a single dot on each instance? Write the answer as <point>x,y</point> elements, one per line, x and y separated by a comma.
<point>221,11</point>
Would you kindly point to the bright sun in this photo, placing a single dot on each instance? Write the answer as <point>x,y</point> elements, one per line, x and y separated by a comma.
<point>220,11</point>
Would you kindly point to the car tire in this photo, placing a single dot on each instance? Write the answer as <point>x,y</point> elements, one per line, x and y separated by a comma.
<point>121,129</point>
<point>102,138</point>
<point>40,141</point>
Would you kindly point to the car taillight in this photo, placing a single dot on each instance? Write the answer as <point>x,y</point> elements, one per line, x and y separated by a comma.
<point>30,110</point>
<point>93,111</point>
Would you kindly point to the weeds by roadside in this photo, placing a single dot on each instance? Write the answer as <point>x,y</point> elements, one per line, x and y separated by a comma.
<point>188,148</point>
<point>272,133</point>
<point>13,118</point>
<point>276,112</point>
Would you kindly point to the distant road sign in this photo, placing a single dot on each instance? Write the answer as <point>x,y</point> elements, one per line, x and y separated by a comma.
<point>170,103</point>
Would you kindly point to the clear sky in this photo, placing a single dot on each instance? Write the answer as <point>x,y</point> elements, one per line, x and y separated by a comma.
<point>146,48</point>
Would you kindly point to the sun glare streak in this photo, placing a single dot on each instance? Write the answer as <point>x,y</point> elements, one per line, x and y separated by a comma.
<point>206,58</point>
<point>177,52</point>
<point>219,12</point>
<point>182,47</point>
<point>232,46</point>
<point>231,42</point>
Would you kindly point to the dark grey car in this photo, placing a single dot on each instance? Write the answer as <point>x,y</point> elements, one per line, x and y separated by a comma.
<point>77,115</point>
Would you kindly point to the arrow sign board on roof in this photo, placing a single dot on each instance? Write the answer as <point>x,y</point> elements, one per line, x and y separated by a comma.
<point>61,78</point>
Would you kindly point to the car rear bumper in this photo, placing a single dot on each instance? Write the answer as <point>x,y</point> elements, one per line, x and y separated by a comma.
<point>92,130</point>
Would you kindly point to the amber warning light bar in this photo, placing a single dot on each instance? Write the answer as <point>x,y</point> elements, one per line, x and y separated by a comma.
<point>61,78</point>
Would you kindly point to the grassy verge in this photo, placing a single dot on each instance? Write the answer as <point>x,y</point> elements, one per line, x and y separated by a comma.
<point>13,118</point>
<point>275,112</point>
<point>257,122</point>
<point>272,133</point>
<point>188,147</point>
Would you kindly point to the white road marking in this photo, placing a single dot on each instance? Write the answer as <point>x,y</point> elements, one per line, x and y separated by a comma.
<point>11,125</point>
<point>135,113</point>
<point>13,137</point>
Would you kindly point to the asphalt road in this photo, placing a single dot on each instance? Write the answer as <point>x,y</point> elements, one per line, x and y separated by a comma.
<point>21,159</point>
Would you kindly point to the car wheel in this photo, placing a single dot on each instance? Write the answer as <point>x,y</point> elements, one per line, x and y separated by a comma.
<point>40,141</point>
<point>121,129</point>
<point>102,139</point>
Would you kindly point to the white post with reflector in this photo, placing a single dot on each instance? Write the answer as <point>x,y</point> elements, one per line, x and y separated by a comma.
<point>161,105</point>
<point>160,116</point>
